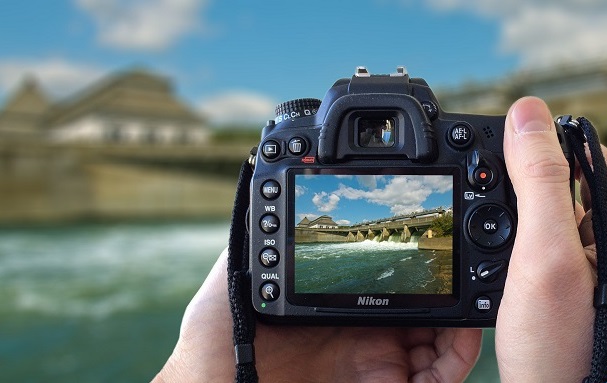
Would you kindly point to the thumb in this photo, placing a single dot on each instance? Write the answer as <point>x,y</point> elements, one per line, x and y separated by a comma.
<point>544,325</point>
<point>540,176</point>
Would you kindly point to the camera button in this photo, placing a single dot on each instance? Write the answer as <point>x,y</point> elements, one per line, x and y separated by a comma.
<point>488,271</point>
<point>270,149</point>
<point>460,136</point>
<point>269,223</point>
<point>490,226</point>
<point>269,291</point>
<point>483,176</point>
<point>483,304</point>
<point>297,146</point>
<point>269,257</point>
<point>270,189</point>
<point>431,109</point>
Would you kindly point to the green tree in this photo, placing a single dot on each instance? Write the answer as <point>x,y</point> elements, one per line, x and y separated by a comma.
<point>442,226</point>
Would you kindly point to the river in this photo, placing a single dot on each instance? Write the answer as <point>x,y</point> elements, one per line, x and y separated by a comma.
<point>103,302</point>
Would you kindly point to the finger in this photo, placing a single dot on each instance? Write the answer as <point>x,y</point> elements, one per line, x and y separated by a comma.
<point>585,229</point>
<point>579,213</point>
<point>549,284</point>
<point>458,351</point>
<point>579,175</point>
<point>585,194</point>
<point>540,176</point>
<point>590,251</point>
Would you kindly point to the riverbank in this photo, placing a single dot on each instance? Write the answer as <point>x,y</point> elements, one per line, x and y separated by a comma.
<point>435,243</point>
<point>444,272</point>
<point>113,192</point>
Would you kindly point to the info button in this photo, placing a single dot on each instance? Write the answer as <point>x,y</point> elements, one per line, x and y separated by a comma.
<point>483,304</point>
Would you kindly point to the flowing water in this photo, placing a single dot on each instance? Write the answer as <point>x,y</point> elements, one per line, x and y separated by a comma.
<point>103,302</point>
<point>371,267</point>
<point>98,303</point>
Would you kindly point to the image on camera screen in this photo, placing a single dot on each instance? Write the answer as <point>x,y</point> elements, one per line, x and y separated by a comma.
<point>373,234</point>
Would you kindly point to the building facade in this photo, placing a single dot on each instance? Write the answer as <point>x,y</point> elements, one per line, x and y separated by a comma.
<point>134,107</point>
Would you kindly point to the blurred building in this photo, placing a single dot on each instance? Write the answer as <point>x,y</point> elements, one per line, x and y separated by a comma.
<point>132,107</point>
<point>123,148</point>
<point>579,90</point>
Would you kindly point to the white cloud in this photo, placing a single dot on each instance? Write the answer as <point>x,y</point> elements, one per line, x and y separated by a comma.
<point>300,190</point>
<point>57,76</point>
<point>145,25</point>
<point>368,181</point>
<point>325,202</point>
<point>238,106</point>
<point>343,222</point>
<point>402,194</point>
<point>543,32</point>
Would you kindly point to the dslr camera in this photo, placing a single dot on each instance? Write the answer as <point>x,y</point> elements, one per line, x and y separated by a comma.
<point>376,207</point>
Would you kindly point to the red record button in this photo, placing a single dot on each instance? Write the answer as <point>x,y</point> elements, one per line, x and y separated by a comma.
<point>483,176</point>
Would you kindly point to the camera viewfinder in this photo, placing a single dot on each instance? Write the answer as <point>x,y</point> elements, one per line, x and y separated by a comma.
<point>375,132</point>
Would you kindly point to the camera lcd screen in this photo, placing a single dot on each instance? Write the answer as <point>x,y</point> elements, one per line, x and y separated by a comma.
<point>373,234</point>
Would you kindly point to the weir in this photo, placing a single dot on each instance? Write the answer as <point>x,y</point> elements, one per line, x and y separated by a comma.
<point>402,229</point>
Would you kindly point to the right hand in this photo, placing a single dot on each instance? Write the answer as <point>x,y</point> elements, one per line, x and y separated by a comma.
<point>544,330</point>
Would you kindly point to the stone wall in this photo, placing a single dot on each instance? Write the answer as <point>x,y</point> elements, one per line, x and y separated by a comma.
<point>41,185</point>
<point>435,243</point>
<point>310,236</point>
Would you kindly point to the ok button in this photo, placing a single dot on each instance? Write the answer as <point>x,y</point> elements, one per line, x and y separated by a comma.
<point>490,226</point>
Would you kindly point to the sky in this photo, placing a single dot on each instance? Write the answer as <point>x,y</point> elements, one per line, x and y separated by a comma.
<point>350,199</point>
<point>234,60</point>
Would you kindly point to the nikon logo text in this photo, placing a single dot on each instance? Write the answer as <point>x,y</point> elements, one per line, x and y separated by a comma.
<point>370,301</point>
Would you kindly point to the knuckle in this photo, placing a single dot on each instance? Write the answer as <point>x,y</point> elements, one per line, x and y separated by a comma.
<point>550,168</point>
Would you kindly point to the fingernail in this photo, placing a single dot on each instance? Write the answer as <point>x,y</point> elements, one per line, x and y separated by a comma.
<point>531,114</point>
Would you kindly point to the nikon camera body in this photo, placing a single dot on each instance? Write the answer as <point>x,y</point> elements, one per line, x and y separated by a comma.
<point>376,207</point>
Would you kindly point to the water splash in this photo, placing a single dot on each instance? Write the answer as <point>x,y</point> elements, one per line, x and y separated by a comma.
<point>386,274</point>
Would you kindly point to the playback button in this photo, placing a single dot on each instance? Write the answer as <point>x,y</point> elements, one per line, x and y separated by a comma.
<point>270,149</point>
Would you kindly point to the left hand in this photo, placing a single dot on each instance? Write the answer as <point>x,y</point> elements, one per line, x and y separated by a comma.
<point>205,353</point>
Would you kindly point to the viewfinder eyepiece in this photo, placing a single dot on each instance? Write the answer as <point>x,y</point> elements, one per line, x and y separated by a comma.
<point>375,132</point>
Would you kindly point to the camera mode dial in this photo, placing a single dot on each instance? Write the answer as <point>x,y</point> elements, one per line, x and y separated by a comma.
<point>301,107</point>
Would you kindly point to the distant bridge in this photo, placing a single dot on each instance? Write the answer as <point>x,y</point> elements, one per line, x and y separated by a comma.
<point>396,229</point>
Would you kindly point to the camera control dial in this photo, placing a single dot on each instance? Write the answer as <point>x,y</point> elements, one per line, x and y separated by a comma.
<point>301,107</point>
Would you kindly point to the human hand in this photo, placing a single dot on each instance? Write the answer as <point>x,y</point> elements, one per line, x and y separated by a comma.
<point>205,353</point>
<point>545,322</point>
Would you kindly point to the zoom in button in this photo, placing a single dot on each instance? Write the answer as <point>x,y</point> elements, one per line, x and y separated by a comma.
<point>269,291</point>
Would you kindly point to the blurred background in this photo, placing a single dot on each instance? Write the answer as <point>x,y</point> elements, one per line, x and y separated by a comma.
<point>123,124</point>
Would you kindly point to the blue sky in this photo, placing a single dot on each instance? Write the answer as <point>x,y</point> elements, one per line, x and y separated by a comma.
<point>234,60</point>
<point>352,199</point>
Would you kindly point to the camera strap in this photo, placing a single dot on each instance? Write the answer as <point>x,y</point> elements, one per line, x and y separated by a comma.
<point>239,285</point>
<point>581,134</point>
